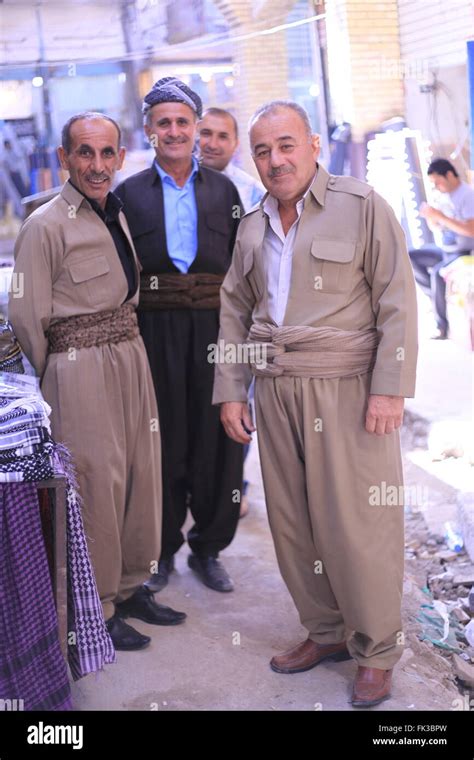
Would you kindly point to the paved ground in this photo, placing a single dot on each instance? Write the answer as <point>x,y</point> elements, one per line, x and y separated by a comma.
<point>218,660</point>
<point>444,400</point>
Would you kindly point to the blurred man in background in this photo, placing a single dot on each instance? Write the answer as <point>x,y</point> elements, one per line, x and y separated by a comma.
<point>458,237</point>
<point>218,142</point>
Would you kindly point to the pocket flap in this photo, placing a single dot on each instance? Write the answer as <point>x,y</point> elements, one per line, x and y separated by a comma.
<point>88,269</point>
<point>341,251</point>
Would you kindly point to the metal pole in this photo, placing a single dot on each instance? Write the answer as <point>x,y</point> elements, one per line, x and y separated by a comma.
<point>43,72</point>
<point>320,80</point>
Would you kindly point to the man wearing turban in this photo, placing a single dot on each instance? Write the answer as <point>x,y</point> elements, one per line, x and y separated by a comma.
<point>183,219</point>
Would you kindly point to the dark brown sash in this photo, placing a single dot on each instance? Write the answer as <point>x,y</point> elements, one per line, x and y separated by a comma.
<point>180,291</point>
<point>88,330</point>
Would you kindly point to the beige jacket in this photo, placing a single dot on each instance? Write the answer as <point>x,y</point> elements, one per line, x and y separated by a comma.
<point>66,264</point>
<point>350,270</point>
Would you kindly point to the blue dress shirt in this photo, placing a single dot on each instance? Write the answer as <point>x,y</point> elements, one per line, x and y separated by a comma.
<point>181,220</point>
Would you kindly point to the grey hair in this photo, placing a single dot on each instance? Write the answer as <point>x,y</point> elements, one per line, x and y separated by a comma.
<point>146,111</point>
<point>275,105</point>
<point>66,141</point>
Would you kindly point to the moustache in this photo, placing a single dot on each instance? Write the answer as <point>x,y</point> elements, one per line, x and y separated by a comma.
<point>178,141</point>
<point>280,172</point>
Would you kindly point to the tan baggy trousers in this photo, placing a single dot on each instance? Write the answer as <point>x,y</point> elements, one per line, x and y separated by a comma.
<point>104,409</point>
<point>340,555</point>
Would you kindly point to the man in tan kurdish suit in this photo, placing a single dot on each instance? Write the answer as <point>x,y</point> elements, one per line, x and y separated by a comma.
<point>76,324</point>
<point>321,285</point>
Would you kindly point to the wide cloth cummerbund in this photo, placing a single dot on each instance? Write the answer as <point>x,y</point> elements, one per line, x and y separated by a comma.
<point>113,326</point>
<point>180,291</point>
<point>311,351</point>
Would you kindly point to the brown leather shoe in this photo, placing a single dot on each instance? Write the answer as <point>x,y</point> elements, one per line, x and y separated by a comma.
<point>371,686</point>
<point>307,655</point>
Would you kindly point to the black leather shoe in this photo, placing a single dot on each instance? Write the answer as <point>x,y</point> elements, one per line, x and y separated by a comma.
<point>211,571</point>
<point>142,606</point>
<point>159,580</point>
<point>124,637</point>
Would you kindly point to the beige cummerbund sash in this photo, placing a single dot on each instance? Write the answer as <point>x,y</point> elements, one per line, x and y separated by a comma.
<point>89,330</point>
<point>311,351</point>
<point>180,291</point>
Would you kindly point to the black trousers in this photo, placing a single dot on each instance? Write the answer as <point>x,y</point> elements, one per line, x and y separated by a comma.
<point>427,262</point>
<point>202,466</point>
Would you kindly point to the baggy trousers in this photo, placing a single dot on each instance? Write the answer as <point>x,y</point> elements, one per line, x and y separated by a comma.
<point>202,466</point>
<point>338,546</point>
<point>104,409</point>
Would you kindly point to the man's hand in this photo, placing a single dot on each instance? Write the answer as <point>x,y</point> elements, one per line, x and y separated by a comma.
<point>436,217</point>
<point>426,213</point>
<point>384,414</point>
<point>234,415</point>
<point>431,214</point>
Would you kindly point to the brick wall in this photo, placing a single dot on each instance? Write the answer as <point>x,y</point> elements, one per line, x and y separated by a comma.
<point>363,56</point>
<point>261,61</point>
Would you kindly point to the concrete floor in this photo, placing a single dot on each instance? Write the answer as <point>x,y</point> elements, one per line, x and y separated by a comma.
<point>218,659</point>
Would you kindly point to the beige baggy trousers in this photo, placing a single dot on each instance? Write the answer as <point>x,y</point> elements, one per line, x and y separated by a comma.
<point>340,555</point>
<point>104,409</point>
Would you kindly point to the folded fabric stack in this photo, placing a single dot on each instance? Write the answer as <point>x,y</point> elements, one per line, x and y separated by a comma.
<point>32,668</point>
<point>10,352</point>
<point>26,446</point>
<point>27,451</point>
<point>31,664</point>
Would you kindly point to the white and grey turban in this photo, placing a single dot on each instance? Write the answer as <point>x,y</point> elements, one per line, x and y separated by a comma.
<point>172,90</point>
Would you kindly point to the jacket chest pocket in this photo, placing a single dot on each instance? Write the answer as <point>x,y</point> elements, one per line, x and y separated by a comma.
<point>332,265</point>
<point>90,279</point>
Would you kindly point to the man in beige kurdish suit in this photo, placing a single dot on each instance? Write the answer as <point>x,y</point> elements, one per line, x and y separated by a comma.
<point>322,289</point>
<point>76,324</point>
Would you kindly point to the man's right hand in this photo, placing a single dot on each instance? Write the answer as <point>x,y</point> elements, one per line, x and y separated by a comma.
<point>234,415</point>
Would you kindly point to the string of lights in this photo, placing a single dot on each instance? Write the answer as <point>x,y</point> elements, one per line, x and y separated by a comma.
<point>191,46</point>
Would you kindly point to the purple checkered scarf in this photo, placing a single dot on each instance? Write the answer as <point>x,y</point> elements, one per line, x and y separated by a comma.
<point>92,646</point>
<point>32,667</point>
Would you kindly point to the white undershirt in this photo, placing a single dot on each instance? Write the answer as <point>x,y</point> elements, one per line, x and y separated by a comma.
<point>278,256</point>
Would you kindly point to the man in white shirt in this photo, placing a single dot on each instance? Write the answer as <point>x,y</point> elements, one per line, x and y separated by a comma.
<point>458,237</point>
<point>321,288</point>
<point>218,141</point>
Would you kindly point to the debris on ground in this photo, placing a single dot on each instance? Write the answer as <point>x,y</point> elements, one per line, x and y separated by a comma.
<point>438,595</point>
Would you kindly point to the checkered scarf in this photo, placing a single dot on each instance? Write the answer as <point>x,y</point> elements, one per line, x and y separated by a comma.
<point>10,352</point>
<point>31,664</point>
<point>29,455</point>
<point>92,646</point>
<point>30,469</point>
<point>32,667</point>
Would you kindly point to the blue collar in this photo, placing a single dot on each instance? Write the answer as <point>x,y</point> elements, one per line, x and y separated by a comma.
<point>164,175</point>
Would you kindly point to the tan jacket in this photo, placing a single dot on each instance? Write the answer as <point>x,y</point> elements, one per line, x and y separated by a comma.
<point>350,270</point>
<point>67,265</point>
<point>102,397</point>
